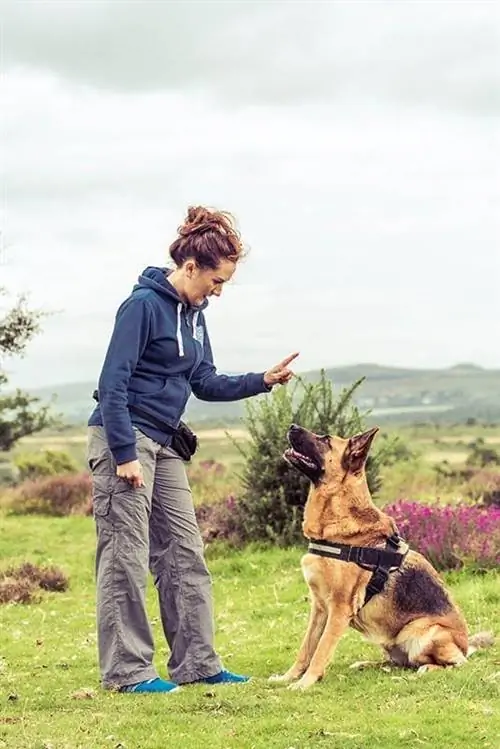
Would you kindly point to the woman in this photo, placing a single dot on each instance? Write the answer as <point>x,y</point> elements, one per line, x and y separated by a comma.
<point>158,354</point>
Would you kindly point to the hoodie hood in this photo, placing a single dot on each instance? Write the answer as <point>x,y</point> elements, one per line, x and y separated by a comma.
<point>156,279</point>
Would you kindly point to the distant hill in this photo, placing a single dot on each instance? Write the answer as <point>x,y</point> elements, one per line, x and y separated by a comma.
<point>391,393</point>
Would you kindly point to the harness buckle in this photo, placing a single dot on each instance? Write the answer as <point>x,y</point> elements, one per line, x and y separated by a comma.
<point>394,541</point>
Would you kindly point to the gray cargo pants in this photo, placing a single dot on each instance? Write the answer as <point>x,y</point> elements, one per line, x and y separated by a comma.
<point>152,527</point>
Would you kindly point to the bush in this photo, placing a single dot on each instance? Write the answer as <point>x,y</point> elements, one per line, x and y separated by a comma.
<point>220,521</point>
<point>22,584</point>
<point>484,485</point>
<point>44,463</point>
<point>274,493</point>
<point>450,536</point>
<point>481,455</point>
<point>476,483</point>
<point>55,495</point>
<point>9,474</point>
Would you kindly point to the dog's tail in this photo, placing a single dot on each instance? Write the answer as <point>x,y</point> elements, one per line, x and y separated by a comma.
<point>480,641</point>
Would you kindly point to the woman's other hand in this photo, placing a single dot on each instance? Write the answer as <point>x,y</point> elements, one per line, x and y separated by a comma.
<point>131,472</point>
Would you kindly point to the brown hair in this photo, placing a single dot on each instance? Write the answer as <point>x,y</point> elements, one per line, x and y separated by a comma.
<point>207,236</point>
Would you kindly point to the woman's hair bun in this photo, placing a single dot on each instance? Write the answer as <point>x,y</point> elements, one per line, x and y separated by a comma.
<point>208,236</point>
<point>200,219</point>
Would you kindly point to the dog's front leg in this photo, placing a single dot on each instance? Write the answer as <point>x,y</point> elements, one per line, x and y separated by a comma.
<point>337,623</point>
<point>315,627</point>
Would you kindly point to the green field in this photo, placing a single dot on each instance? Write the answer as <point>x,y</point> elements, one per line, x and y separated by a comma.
<point>417,479</point>
<point>50,696</point>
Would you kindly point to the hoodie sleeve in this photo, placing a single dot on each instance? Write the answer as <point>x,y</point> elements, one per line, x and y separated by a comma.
<point>129,338</point>
<point>207,385</point>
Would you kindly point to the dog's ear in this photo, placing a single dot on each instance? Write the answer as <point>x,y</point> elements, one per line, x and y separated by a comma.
<point>357,450</point>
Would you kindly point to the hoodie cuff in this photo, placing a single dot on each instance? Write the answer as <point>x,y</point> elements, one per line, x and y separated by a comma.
<point>265,388</point>
<point>125,454</point>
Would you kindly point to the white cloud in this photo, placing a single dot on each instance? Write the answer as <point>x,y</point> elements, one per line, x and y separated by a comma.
<point>441,53</point>
<point>371,218</point>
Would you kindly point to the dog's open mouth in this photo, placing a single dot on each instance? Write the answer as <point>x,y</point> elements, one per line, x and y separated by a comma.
<point>299,460</point>
<point>305,452</point>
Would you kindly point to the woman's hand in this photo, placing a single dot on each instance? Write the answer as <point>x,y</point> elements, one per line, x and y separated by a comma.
<point>131,472</point>
<point>280,374</point>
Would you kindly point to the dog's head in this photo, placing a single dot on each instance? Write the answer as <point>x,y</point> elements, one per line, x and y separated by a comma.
<point>325,458</point>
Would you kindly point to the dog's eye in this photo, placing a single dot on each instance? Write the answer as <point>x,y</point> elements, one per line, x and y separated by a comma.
<point>326,439</point>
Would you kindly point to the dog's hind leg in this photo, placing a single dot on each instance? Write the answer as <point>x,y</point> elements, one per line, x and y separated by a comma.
<point>430,646</point>
<point>315,627</point>
<point>443,654</point>
<point>337,623</point>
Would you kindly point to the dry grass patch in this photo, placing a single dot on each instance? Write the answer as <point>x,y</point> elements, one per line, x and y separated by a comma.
<point>22,584</point>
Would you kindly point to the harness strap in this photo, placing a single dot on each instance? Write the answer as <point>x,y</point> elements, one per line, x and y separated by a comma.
<point>380,561</point>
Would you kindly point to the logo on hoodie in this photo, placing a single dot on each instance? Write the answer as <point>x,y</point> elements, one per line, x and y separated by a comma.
<point>199,334</point>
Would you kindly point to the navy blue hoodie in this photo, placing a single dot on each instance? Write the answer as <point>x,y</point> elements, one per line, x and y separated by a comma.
<point>158,354</point>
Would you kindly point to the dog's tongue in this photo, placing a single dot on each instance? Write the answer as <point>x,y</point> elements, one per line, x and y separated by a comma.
<point>292,453</point>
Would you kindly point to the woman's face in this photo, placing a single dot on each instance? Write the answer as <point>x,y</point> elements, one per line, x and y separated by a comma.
<point>201,283</point>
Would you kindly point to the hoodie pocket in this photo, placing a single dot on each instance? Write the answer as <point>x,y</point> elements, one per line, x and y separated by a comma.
<point>166,404</point>
<point>140,386</point>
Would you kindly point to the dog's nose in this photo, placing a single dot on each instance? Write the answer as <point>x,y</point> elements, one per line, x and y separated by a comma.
<point>294,428</point>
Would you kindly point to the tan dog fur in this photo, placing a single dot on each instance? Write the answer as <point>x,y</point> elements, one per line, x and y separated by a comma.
<point>414,619</point>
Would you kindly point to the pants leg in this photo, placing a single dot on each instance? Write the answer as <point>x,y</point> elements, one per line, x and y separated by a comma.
<point>181,576</point>
<point>121,513</point>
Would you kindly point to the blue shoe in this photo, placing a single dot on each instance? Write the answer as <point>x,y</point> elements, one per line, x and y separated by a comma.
<point>225,677</point>
<point>151,685</point>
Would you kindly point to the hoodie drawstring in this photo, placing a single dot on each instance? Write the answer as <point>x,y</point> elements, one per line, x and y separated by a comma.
<point>180,342</point>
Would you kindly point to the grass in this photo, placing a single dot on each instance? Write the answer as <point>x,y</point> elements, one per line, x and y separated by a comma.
<point>50,696</point>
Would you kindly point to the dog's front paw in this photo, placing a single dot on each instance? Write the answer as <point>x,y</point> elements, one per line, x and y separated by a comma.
<point>304,683</point>
<point>284,678</point>
<point>293,673</point>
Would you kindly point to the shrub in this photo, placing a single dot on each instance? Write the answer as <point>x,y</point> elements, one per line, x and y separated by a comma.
<point>481,455</point>
<point>274,493</point>
<point>22,584</point>
<point>44,463</point>
<point>17,591</point>
<point>484,485</point>
<point>450,536</point>
<point>220,521</point>
<point>478,484</point>
<point>54,495</point>
<point>9,474</point>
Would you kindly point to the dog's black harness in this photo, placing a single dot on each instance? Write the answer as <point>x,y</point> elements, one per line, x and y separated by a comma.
<point>380,561</point>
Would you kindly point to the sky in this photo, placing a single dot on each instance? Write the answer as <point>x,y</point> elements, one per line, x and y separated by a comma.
<point>356,143</point>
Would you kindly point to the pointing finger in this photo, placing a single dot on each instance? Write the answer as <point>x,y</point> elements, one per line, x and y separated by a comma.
<point>288,359</point>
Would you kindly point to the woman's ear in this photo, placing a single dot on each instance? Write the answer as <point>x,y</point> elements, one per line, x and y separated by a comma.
<point>189,268</point>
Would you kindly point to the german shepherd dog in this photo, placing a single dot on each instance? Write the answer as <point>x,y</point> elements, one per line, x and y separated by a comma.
<point>411,615</point>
